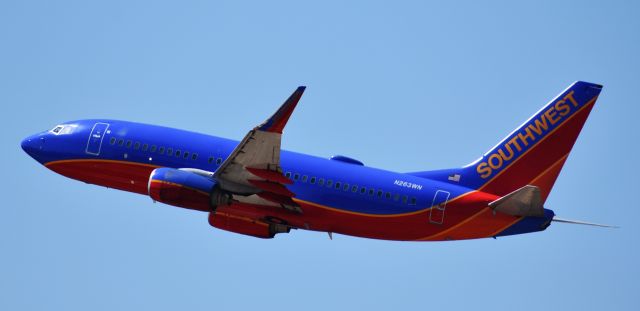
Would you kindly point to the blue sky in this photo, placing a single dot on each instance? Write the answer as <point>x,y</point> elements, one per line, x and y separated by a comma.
<point>400,85</point>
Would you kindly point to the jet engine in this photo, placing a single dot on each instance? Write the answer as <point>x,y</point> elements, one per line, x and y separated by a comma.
<point>186,189</point>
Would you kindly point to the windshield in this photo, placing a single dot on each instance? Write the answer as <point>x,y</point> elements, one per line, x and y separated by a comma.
<point>63,129</point>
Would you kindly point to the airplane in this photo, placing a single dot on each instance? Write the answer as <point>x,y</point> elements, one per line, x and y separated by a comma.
<point>255,188</point>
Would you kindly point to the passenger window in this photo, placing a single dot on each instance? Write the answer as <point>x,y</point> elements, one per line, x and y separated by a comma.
<point>312,180</point>
<point>128,144</point>
<point>153,148</point>
<point>177,153</point>
<point>379,193</point>
<point>145,147</point>
<point>186,155</point>
<point>112,140</point>
<point>337,185</point>
<point>161,150</point>
<point>320,181</point>
<point>210,159</point>
<point>346,187</point>
<point>288,175</point>
<point>121,142</point>
<point>296,176</point>
<point>396,197</point>
<point>363,190</point>
<point>219,161</point>
<point>169,151</point>
<point>388,195</point>
<point>194,156</point>
<point>304,178</point>
<point>404,199</point>
<point>413,201</point>
<point>136,146</point>
<point>354,189</point>
<point>329,183</point>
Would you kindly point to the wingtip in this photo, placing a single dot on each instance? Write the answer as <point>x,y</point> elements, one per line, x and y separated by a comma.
<point>280,118</point>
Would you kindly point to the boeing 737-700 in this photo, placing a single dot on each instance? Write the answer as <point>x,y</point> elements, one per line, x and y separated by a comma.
<point>253,187</point>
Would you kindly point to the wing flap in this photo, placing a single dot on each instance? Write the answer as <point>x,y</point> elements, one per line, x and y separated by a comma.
<point>272,187</point>
<point>253,167</point>
<point>284,201</point>
<point>270,175</point>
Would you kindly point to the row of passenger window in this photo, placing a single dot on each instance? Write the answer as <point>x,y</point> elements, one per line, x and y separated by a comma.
<point>304,178</point>
<point>353,188</point>
<point>160,150</point>
<point>153,148</point>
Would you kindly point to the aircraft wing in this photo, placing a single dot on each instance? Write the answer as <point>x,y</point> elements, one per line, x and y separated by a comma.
<point>254,165</point>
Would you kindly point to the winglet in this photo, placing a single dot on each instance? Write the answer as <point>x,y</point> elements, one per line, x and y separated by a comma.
<point>278,120</point>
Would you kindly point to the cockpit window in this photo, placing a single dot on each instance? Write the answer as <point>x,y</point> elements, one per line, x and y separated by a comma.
<point>63,129</point>
<point>57,129</point>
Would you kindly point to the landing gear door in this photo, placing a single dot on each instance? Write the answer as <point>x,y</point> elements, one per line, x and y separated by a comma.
<point>95,138</point>
<point>438,206</point>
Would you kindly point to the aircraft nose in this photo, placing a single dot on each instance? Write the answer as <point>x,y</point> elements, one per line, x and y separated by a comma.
<point>32,145</point>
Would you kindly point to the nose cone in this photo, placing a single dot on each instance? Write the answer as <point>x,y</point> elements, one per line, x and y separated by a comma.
<point>33,145</point>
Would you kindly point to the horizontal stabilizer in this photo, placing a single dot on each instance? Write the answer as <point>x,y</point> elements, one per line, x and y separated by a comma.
<point>525,201</point>
<point>577,222</point>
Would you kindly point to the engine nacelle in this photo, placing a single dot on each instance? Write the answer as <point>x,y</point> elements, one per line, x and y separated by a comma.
<point>186,189</point>
<point>246,226</point>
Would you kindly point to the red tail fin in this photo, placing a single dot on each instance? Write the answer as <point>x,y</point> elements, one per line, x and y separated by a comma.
<point>535,152</point>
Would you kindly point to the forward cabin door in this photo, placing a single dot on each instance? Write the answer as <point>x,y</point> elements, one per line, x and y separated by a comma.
<point>439,204</point>
<point>95,138</point>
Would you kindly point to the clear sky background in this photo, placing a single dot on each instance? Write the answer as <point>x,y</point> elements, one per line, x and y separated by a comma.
<point>400,85</point>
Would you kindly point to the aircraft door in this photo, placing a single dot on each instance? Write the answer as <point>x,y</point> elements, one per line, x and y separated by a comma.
<point>95,138</point>
<point>436,214</point>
